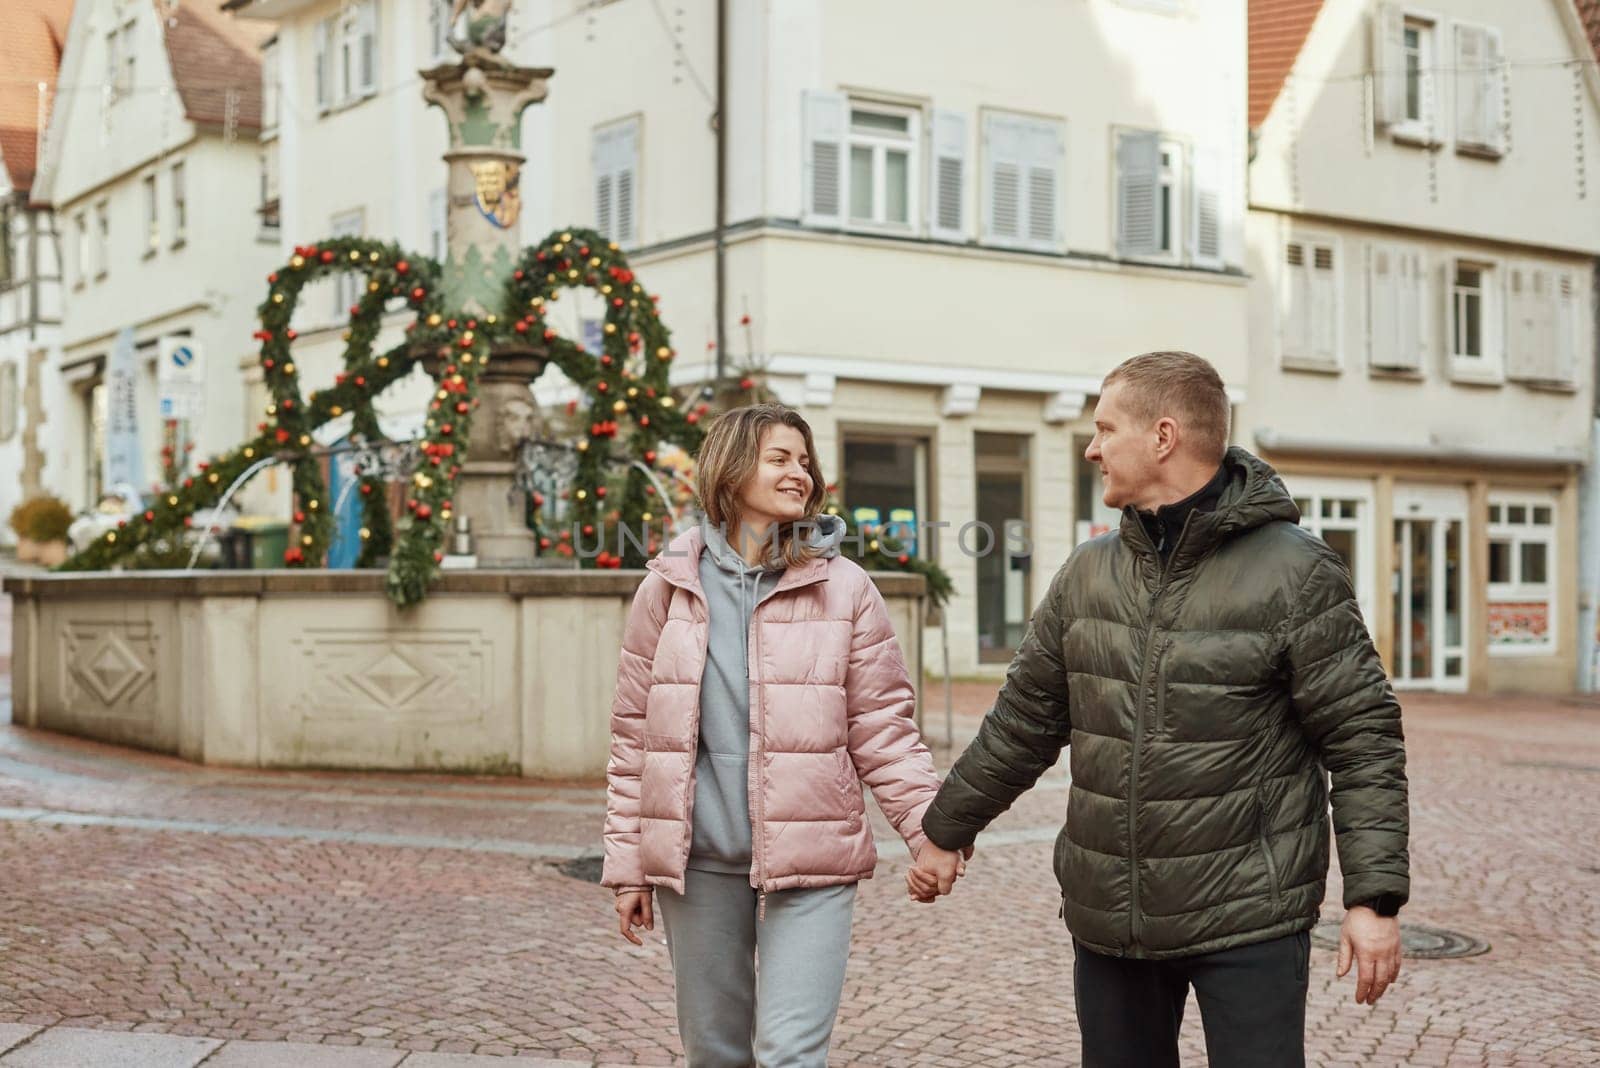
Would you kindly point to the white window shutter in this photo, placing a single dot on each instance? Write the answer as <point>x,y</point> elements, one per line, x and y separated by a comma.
<point>1046,156</point>
<point>1471,120</point>
<point>823,185</point>
<point>1004,193</point>
<point>947,177</point>
<point>323,35</point>
<point>1412,351</point>
<point>1138,182</point>
<point>602,168</point>
<point>1296,316</point>
<point>626,150</point>
<point>1525,287</point>
<point>367,50</point>
<point>1565,347</point>
<point>1206,209</point>
<point>1324,304</point>
<point>1383,307</point>
<point>1389,64</point>
<point>1493,88</point>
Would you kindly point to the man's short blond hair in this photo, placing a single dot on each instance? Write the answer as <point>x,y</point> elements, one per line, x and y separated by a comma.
<point>1179,385</point>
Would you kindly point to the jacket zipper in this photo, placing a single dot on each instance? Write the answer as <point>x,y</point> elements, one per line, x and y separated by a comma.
<point>757,802</point>
<point>1135,917</point>
<point>1266,847</point>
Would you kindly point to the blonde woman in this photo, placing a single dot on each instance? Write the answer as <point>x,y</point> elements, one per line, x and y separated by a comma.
<point>760,686</point>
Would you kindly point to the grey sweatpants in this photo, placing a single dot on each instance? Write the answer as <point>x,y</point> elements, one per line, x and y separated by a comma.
<point>732,1015</point>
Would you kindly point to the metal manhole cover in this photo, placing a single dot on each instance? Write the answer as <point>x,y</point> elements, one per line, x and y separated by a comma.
<point>584,868</point>
<point>1417,941</point>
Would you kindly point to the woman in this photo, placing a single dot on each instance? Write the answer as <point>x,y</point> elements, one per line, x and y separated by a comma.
<point>760,685</point>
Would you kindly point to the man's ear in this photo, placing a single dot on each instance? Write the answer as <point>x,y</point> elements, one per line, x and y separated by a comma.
<point>1166,437</point>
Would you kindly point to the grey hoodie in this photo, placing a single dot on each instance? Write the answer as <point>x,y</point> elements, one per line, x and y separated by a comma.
<point>733,588</point>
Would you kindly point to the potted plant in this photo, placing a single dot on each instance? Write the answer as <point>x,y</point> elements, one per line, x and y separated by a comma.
<point>41,525</point>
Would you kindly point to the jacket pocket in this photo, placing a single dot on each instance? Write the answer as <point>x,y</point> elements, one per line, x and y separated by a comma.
<point>849,785</point>
<point>1266,846</point>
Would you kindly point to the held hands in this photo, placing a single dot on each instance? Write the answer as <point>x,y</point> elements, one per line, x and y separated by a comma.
<point>935,872</point>
<point>635,908</point>
<point>1372,942</point>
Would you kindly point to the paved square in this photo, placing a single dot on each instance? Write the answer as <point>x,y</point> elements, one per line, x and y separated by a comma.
<point>391,915</point>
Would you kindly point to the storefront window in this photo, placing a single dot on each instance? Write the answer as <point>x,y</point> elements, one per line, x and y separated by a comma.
<point>1521,575</point>
<point>884,484</point>
<point>1339,514</point>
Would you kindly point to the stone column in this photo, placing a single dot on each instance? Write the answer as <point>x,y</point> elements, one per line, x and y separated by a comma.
<point>483,98</point>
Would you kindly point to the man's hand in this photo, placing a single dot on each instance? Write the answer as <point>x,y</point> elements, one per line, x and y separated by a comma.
<point>1373,943</point>
<point>635,908</point>
<point>935,872</point>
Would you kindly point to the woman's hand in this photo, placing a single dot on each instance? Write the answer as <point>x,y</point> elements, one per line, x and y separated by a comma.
<point>935,872</point>
<point>635,908</point>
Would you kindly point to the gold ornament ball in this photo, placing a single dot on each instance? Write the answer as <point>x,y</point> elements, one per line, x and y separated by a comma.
<point>288,368</point>
<point>305,440</point>
<point>212,478</point>
<point>354,255</point>
<point>668,402</point>
<point>434,320</point>
<point>564,237</point>
<point>306,540</point>
<point>383,361</point>
<point>249,453</point>
<point>373,257</point>
<point>372,287</point>
<point>582,495</point>
<point>647,517</point>
<point>614,246</point>
<point>573,274</point>
<point>619,407</point>
<point>297,262</point>
<point>172,501</point>
<point>313,504</point>
<point>611,328</point>
<point>336,410</point>
<point>594,261</point>
<point>277,298</point>
<point>365,533</point>
<point>272,409</point>
<point>582,446</point>
<point>663,352</point>
<point>606,289</point>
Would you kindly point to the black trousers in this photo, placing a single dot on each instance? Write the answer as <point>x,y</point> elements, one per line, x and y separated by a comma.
<point>1252,1006</point>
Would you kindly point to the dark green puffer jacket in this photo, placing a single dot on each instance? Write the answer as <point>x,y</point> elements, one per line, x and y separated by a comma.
<point>1206,703</point>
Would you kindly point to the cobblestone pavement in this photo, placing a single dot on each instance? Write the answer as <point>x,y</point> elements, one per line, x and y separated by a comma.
<point>432,913</point>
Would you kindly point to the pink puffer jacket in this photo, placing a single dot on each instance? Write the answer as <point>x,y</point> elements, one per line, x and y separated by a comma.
<point>830,708</point>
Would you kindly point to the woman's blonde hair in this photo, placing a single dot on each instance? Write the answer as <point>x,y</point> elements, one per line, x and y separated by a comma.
<point>728,460</point>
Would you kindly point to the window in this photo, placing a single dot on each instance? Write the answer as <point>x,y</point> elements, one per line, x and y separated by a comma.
<point>882,148</point>
<point>1480,91</point>
<point>1153,196</point>
<point>7,243</point>
<point>347,284</point>
<point>861,164</point>
<point>180,206</point>
<point>268,209</point>
<point>885,485</point>
<point>80,252</point>
<point>102,244</point>
<point>152,218</point>
<point>1310,317</point>
<point>1404,51</point>
<point>1521,574</point>
<point>1472,322</point>
<point>9,400</point>
<point>347,55</point>
<point>615,161</point>
<point>1397,308</point>
<point>439,29</point>
<point>1022,171</point>
<point>1338,513</point>
<point>269,87</point>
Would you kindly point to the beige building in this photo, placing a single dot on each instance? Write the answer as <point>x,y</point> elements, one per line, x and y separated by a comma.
<point>150,166</point>
<point>1424,221</point>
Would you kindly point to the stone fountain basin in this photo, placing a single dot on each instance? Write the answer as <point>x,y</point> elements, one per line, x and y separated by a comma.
<point>506,672</point>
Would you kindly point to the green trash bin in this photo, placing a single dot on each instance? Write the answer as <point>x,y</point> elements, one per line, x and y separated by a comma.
<point>269,538</point>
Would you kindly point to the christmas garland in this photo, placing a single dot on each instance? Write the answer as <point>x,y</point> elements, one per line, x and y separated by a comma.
<point>625,385</point>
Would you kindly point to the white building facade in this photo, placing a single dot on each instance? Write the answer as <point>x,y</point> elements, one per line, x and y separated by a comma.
<point>1422,240</point>
<point>150,165</point>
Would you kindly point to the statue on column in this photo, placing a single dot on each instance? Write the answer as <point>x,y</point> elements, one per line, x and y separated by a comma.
<point>486,26</point>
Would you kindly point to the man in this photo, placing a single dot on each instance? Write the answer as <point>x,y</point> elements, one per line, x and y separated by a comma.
<point>1209,667</point>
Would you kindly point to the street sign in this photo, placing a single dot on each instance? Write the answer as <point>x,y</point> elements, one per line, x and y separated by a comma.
<point>124,461</point>
<point>180,372</point>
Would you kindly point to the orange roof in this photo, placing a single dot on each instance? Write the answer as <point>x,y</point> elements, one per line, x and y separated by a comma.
<point>1278,30</point>
<point>1589,12</point>
<point>30,52</point>
<point>213,53</point>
